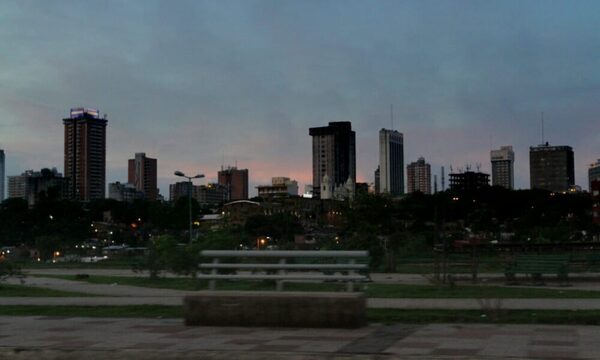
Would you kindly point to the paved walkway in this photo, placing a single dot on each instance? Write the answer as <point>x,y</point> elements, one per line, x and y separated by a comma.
<point>372,303</point>
<point>95,289</point>
<point>581,281</point>
<point>76,337</point>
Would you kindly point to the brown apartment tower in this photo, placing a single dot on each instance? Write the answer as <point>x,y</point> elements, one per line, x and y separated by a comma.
<point>142,174</point>
<point>419,176</point>
<point>85,154</point>
<point>236,182</point>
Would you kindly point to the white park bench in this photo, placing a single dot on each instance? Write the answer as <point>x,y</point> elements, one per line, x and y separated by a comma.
<point>287,266</point>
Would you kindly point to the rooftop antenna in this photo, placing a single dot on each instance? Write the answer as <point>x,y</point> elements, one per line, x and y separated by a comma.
<point>444,177</point>
<point>543,139</point>
<point>392,115</point>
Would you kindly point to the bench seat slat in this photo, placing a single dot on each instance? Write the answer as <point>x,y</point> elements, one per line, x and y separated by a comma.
<point>285,266</point>
<point>279,277</point>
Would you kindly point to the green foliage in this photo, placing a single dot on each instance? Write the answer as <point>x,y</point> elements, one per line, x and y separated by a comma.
<point>281,226</point>
<point>8,269</point>
<point>166,253</point>
<point>47,245</point>
<point>219,240</point>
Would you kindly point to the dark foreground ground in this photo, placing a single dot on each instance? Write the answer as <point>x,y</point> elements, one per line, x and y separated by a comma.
<point>40,337</point>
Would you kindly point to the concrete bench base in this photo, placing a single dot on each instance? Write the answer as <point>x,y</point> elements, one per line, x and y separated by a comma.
<point>278,309</point>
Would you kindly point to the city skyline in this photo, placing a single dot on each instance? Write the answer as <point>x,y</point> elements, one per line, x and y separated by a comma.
<point>243,83</point>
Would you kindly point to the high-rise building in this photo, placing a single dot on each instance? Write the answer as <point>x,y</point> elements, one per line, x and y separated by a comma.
<point>2,175</point>
<point>205,195</point>
<point>85,154</point>
<point>333,155</point>
<point>180,189</point>
<point>236,182</point>
<point>124,192</point>
<point>551,167</point>
<point>30,185</point>
<point>595,190</point>
<point>210,194</point>
<point>391,162</point>
<point>469,181</point>
<point>376,182</point>
<point>280,187</point>
<point>142,174</point>
<point>503,173</point>
<point>594,173</point>
<point>418,176</point>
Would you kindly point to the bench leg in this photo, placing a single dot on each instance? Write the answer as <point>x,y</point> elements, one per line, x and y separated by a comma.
<point>537,279</point>
<point>212,284</point>
<point>563,279</point>
<point>511,279</point>
<point>281,272</point>
<point>350,283</point>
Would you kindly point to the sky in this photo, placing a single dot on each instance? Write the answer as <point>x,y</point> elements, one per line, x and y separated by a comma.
<point>202,84</point>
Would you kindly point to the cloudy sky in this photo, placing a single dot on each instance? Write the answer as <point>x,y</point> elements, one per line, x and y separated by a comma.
<point>199,84</point>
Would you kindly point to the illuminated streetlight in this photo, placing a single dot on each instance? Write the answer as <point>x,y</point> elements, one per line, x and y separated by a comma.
<point>179,173</point>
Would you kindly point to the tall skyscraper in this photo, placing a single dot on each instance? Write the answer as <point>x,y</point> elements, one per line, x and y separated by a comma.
<point>2,175</point>
<point>503,173</point>
<point>236,182</point>
<point>418,176</point>
<point>142,174</point>
<point>85,154</point>
<point>334,155</point>
<point>391,162</point>
<point>594,173</point>
<point>551,167</point>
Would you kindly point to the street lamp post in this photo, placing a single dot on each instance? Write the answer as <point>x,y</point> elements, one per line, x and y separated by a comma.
<point>179,173</point>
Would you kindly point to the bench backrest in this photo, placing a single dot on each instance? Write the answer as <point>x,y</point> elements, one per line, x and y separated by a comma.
<point>349,262</point>
<point>286,253</point>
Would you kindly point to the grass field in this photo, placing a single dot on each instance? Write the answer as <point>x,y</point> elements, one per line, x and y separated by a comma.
<point>372,290</point>
<point>30,291</point>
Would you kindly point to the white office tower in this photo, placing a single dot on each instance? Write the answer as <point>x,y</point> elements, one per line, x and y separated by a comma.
<point>391,162</point>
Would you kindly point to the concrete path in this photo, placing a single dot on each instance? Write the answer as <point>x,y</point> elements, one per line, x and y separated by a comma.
<point>95,289</point>
<point>115,294</point>
<point>372,303</point>
<point>99,338</point>
<point>582,281</point>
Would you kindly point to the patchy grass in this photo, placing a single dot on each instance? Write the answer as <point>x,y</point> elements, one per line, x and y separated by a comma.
<point>372,290</point>
<point>471,291</point>
<point>31,291</point>
<point>571,317</point>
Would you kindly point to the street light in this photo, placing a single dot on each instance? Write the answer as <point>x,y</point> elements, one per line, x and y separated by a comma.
<point>179,173</point>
